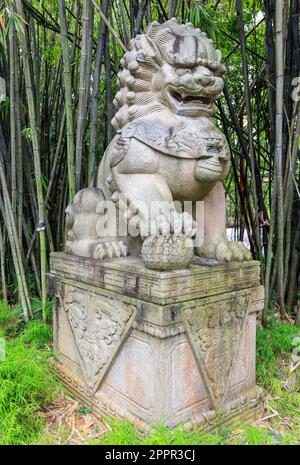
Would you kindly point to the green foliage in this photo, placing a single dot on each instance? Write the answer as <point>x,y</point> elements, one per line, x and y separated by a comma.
<point>202,18</point>
<point>164,436</point>
<point>255,436</point>
<point>38,333</point>
<point>36,306</point>
<point>273,342</point>
<point>27,383</point>
<point>10,17</point>
<point>27,133</point>
<point>10,321</point>
<point>124,433</point>
<point>289,405</point>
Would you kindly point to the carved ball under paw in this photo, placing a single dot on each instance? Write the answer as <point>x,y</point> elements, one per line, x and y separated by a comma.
<point>167,252</point>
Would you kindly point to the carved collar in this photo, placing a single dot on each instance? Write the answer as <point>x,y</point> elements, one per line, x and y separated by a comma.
<point>177,141</point>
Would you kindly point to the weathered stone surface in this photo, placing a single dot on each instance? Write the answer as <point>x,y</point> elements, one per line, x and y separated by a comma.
<point>167,252</point>
<point>177,345</point>
<point>166,151</point>
<point>98,327</point>
<point>130,277</point>
<point>148,360</point>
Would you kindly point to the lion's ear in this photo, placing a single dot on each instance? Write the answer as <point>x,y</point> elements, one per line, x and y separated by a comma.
<point>150,52</point>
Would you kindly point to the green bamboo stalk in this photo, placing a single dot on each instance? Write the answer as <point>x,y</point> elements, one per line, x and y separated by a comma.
<point>95,92</point>
<point>2,264</point>
<point>239,8</point>
<point>67,80</point>
<point>36,154</point>
<point>290,184</point>
<point>12,112</point>
<point>278,151</point>
<point>83,87</point>
<point>27,236</point>
<point>109,104</point>
<point>9,220</point>
<point>124,23</point>
<point>270,252</point>
<point>140,15</point>
<point>20,185</point>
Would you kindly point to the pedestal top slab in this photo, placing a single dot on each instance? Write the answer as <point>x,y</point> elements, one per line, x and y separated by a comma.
<point>129,276</point>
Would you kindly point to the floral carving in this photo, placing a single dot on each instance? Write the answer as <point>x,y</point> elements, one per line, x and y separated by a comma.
<point>215,334</point>
<point>99,325</point>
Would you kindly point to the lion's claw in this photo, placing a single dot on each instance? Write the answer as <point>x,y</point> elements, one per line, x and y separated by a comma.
<point>235,251</point>
<point>226,251</point>
<point>110,250</point>
<point>176,223</point>
<point>99,252</point>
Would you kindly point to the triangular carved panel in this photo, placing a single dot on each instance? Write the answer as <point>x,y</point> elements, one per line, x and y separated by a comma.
<point>215,330</point>
<point>99,325</point>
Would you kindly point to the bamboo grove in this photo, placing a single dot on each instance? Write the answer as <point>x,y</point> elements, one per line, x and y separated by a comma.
<point>59,61</point>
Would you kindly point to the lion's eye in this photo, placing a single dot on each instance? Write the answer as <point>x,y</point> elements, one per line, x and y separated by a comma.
<point>182,71</point>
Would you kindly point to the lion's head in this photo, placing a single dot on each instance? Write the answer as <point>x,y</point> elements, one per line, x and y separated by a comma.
<point>171,65</point>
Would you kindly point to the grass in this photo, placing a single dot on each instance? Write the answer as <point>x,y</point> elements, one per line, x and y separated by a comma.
<point>274,345</point>
<point>124,433</point>
<point>10,322</point>
<point>28,385</point>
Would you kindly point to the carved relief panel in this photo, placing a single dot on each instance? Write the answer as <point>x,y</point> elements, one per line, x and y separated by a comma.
<point>99,325</point>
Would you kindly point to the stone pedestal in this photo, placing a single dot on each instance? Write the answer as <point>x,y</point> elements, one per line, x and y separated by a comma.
<point>152,346</point>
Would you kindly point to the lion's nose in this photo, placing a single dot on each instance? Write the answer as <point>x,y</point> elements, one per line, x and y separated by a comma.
<point>205,80</point>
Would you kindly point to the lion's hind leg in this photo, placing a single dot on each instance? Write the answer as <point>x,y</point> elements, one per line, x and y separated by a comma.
<point>84,235</point>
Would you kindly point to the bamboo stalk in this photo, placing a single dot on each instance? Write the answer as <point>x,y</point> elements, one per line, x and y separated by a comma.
<point>83,88</point>
<point>109,105</point>
<point>67,80</point>
<point>278,151</point>
<point>36,153</point>
<point>2,264</point>
<point>12,112</point>
<point>95,91</point>
<point>9,220</point>
<point>255,181</point>
<point>19,165</point>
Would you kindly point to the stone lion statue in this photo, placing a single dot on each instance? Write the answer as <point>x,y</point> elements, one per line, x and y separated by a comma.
<point>166,151</point>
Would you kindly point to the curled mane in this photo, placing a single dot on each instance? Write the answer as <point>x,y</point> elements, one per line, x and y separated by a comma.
<point>147,53</point>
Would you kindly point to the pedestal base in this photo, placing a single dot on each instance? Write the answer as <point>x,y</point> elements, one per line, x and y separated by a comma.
<point>152,346</point>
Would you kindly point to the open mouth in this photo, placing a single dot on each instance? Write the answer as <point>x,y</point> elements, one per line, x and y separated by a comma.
<point>191,102</point>
<point>182,98</point>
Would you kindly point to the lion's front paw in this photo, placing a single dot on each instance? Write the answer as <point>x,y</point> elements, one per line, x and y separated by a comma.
<point>110,250</point>
<point>226,251</point>
<point>174,224</point>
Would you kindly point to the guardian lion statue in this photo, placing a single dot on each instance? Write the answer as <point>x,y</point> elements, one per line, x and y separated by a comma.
<point>166,151</point>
